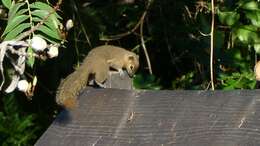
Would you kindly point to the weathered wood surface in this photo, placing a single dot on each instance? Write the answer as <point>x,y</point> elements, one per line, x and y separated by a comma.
<point>119,82</point>
<point>113,117</point>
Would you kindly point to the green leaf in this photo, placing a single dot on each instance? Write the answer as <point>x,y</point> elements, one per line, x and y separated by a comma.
<point>14,9</point>
<point>40,13</point>
<point>52,19</point>
<point>22,11</point>
<point>228,18</point>
<point>47,23</point>
<point>15,32</point>
<point>43,6</point>
<point>14,23</point>
<point>31,58</point>
<point>252,5</point>
<point>246,33</point>
<point>257,48</point>
<point>254,17</point>
<point>7,3</point>
<point>52,33</point>
<point>25,123</point>
<point>55,21</point>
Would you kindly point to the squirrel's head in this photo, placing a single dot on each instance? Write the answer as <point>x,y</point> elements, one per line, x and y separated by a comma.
<point>132,64</point>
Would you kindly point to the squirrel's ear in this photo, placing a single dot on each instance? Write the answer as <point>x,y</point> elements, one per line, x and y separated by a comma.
<point>131,57</point>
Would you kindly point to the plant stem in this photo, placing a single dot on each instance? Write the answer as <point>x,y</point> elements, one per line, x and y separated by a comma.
<point>30,15</point>
<point>212,44</point>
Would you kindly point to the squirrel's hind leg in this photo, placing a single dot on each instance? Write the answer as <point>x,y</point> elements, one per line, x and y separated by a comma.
<point>101,76</point>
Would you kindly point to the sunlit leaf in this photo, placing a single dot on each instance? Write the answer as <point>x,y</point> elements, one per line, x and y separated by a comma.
<point>43,6</point>
<point>14,9</point>
<point>47,23</point>
<point>52,33</point>
<point>251,5</point>
<point>40,13</point>
<point>254,17</point>
<point>257,48</point>
<point>228,18</point>
<point>246,33</point>
<point>15,32</point>
<point>55,21</point>
<point>20,12</point>
<point>52,19</point>
<point>7,3</point>
<point>14,23</point>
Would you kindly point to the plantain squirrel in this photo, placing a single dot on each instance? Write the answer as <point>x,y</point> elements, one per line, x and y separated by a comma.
<point>97,63</point>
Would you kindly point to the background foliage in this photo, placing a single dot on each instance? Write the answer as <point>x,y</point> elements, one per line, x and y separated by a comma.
<point>176,36</point>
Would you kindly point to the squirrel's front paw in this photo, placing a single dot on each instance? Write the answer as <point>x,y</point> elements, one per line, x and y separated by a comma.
<point>121,73</point>
<point>100,84</point>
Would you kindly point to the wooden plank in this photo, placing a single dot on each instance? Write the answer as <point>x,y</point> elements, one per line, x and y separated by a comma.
<point>112,117</point>
<point>119,82</point>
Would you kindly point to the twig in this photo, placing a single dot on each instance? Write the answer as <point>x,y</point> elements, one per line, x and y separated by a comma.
<point>30,14</point>
<point>188,11</point>
<point>212,44</point>
<point>119,36</point>
<point>204,34</point>
<point>81,23</point>
<point>143,45</point>
<point>208,86</point>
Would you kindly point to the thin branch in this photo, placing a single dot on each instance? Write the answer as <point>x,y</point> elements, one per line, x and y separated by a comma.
<point>212,45</point>
<point>188,11</point>
<point>119,36</point>
<point>143,45</point>
<point>204,34</point>
<point>142,38</point>
<point>81,23</point>
<point>30,13</point>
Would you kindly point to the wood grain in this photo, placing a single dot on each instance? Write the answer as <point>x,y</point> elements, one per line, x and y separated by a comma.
<point>113,117</point>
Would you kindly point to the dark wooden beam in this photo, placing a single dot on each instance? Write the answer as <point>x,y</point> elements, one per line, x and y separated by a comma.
<point>113,117</point>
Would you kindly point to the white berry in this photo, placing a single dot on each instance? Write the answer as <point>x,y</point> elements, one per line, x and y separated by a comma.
<point>38,43</point>
<point>69,24</point>
<point>53,52</point>
<point>22,85</point>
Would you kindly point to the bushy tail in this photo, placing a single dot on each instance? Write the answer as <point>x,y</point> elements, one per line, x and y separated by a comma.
<point>70,88</point>
<point>70,103</point>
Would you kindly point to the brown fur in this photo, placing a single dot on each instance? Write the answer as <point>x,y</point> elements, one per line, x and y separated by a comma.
<point>98,62</point>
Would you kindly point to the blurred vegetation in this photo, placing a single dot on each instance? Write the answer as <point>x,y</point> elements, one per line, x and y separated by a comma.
<point>176,35</point>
